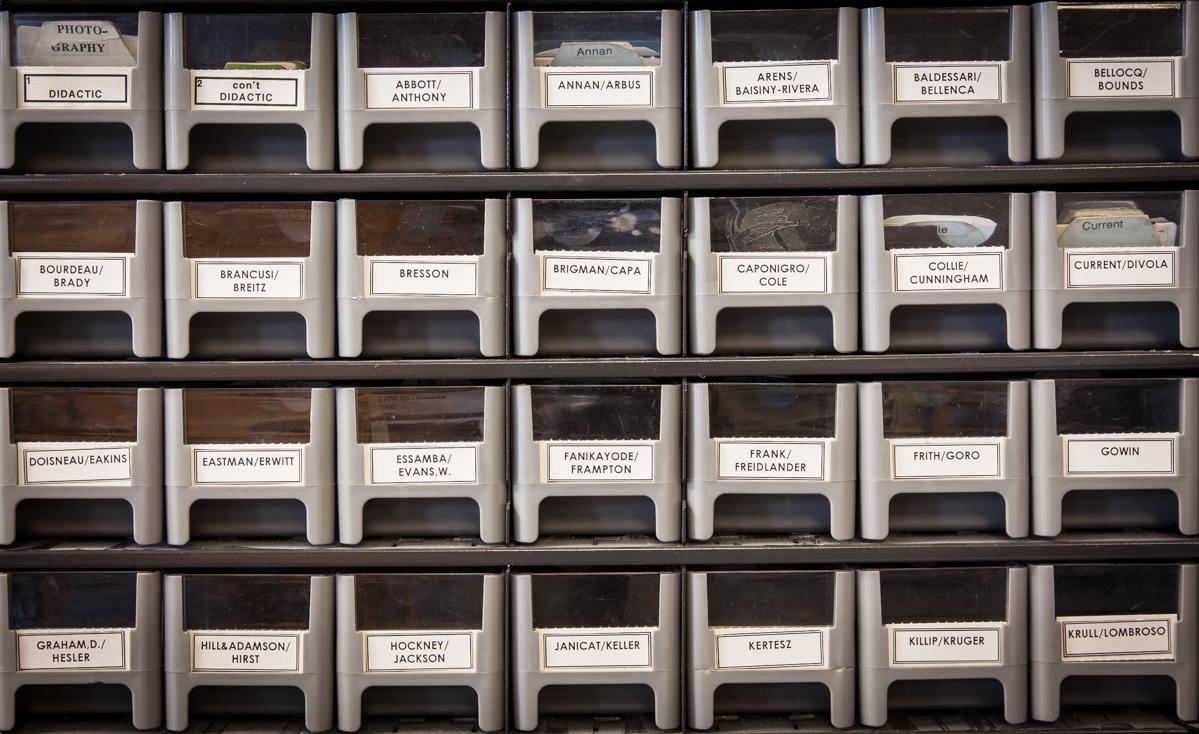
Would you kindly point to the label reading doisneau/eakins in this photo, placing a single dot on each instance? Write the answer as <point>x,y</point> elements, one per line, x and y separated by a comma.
<point>72,88</point>
<point>75,463</point>
<point>597,650</point>
<point>773,274</point>
<point>1118,637</point>
<point>981,271</point>
<point>625,461</point>
<point>423,89</point>
<point>598,88</point>
<point>272,278</point>
<point>251,89</point>
<point>948,82</point>
<point>1111,268</point>
<point>596,274</point>
<point>422,463</point>
<point>946,643</point>
<point>777,83</point>
<point>398,651</point>
<point>236,652</point>
<point>1092,455</point>
<point>946,459</point>
<point>70,275</point>
<point>798,648</point>
<point>779,459</point>
<point>422,277</point>
<point>62,650</point>
<point>248,464</point>
<point>1122,78</point>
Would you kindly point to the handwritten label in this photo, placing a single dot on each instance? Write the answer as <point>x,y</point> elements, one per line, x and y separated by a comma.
<point>1111,268</point>
<point>1118,637</point>
<point>252,89</point>
<point>945,459</point>
<point>42,275</point>
<point>949,272</point>
<point>948,83</point>
<point>799,648</point>
<point>75,463</point>
<point>596,274</point>
<point>422,463</point>
<point>273,278</point>
<point>422,277</point>
<point>598,89</point>
<point>770,460</point>
<point>945,644</point>
<point>779,83</point>
<point>396,651</point>
<point>423,89</point>
<point>238,652</point>
<point>1118,455</point>
<point>600,462</point>
<point>773,274</point>
<point>1122,78</point>
<point>85,650</point>
<point>597,650</point>
<point>70,88</point>
<point>247,465</point>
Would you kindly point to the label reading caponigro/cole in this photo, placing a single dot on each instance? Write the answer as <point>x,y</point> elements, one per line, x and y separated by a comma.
<point>948,83</point>
<point>600,462</point>
<point>57,276</point>
<point>595,274</point>
<point>232,652</point>
<point>946,459</point>
<point>779,459</point>
<point>597,649</point>
<point>949,272</point>
<point>1122,78</point>
<point>945,644</point>
<point>390,651</point>
<point>773,274</point>
<point>62,650</point>
<point>1118,637</point>
<point>1097,455</point>
<point>422,463</point>
<point>71,463</point>
<point>273,278</point>
<point>798,648</point>
<point>72,88</point>
<point>420,90</point>
<point>777,83</point>
<point>598,88</point>
<point>422,277</point>
<point>249,464</point>
<point>1112,268</point>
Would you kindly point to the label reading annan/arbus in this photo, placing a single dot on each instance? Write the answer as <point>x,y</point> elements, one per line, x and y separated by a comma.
<point>626,461</point>
<point>598,88</point>
<point>1118,637</point>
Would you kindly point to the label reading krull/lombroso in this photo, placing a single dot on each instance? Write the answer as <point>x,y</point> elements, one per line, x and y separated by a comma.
<point>398,651</point>
<point>785,82</point>
<point>1117,638</point>
<point>422,463</point>
<point>945,643</point>
<point>946,459</point>
<point>948,83</point>
<point>748,649</point>
<point>247,464</point>
<point>46,462</point>
<point>596,649</point>
<point>773,274</point>
<point>778,459</point>
<point>67,650</point>
<point>1119,454</point>
<point>236,652</point>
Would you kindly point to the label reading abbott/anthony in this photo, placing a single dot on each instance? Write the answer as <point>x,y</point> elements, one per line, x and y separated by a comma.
<point>956,272</point>
<point>38,275</point>
<point>1097,455</point>
<point>944,460</point>
<point>956,83</point>
<point>424,277</point>
<point>232,652</point>
<point>422,464</point>
<point>599,89</point>
<point>91,650</point>
<point>1120,269</point>
<point>1116,638</point>
<point>73,90</point>
<point>804,648</point>
<point>595,274</point>
<point>249,279</point>
<point>247,466</point>
<point>1129,78</point>
<point>745,274</point>
<point>420,90</point>
<point>597,650</point>
<point>247,91</point>
<point>393,651</point>
<point>776,83</point>
<point>43,465</point>
<point>770,460</point>
<point>592,462</point>
<point>944,644</point>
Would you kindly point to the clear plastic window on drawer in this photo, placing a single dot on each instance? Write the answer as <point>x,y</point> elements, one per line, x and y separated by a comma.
<point>597,225</point>
<point>245,602</point>
<point>771,598</point>
<point>420,414</point>
<point>65,600</point>
<point>764,410</point>
<point>1118,406</point>
<point>944,409</point>
<point>596,412</point>
<point>1120,30</point>
<point>247,229</point>
<point>420,227</point>
<point>773,224</point>
<point>946,220</point>
<point>74,414</point>
<point>72,226</point>
<point>604,38</point>
<point>948,34</point>
<point>774,35</point>
<point>592,600</point>
<point>943,595</point>
<point>258,415</point>
<point>74,39</point>
<point>415,601</point>
<point>420,40</point>
<point>1083,590</point>
<point>1119,219</point>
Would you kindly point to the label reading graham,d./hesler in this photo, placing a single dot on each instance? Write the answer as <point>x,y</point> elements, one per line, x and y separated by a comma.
<point>65,650</point>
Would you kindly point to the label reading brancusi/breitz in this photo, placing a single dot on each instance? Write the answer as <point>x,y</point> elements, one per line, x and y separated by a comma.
<point>400,651</point>
<point>1108,267</point>
<point>618,461</point>
<point>773,274</point>
<point>1121,78</point>
<point>598,88</point>
<point>595,649</point>
<point>71,650</point>
<point>249,89</point>
<point>71,276</point>
<point>599,274</point>
<point>422,463</point>
<point>425,276</point>
<point>245,652</point>
<point>247,464</point>
<point>770,459</point>
<point>980,269</point>
<point>946,643</point>
<point>75,463</point>
<point>948,83</point>
<point>421,89</point>
<point>244,278</point>
<point>784,82</point>
<point>73,88</point>
<point>740,649</point>
<point>949,458</point>
<point>1119,454</point>
<point>1118,638</point>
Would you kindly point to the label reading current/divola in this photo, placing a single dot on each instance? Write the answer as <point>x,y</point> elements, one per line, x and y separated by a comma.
<point>945,459</point>
<point>1118,637</point>
<point>392,651</point>
<point>251,89</point>
<point>597,650</point>
<point>68,275</point>
<point>946,643</point>
<point>626,461</point>
<point>72,88</point>
<point>598,88</point>
<point>1092,455</point>
<point>273,278</point>
<point>74,463</point>
<point>422,277</point>
<point>981,271</point>
<point>948,83</point>
<point>773,274</point>
<point>61,650</point>
<point>422,463</point>
<point>1122,78</point>
<point>777,83</point>
<point>423,89</point>
<point>1105,267</point>
<point>596,274</point>
<point>780,459</point>
<point>248,464</point>
<point>798,648</point>
<point>235,652</point>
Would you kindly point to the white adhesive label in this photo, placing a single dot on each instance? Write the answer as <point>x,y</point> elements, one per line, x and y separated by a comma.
<point>252,89</point>
<point>1122,78</point>
<point>392,651</point>
<point>597,650</point>
<point>951,271</point>
<point>422,463</point>
<point>71,275</point>
<point>778,83</point>
<point>247,464</point>
<point>1118,638</point>
<point>800,648</point>
<point>273,278</point>
<point>71,88</point>
<point>596,274</point>
<point>83,650</point>
<point>1118,455</point>
<point>422,277</point>
<point>1111,268</point>
<point>236,652</point>
<point>423,89</point>
<point>948,83</point>
<point>75,463</point>
<point>946,459</point>
<point>627,461</point>
<point>948,643</point>
<point>773,274</point>
<point>770,460</point>
<point>598,88</point>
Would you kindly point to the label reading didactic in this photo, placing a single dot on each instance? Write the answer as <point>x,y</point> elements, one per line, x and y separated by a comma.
<point>247,465</point>
<point>1092,455</point>
<point>237,652</point>
<point>800,648</point>
<point>1108,268</point>
<point>949,272</point>
<point>599,88</point>
<point>948,83</point>
<point>248,90</point>
<point>1116,638</point>
<point>41,275</point>
<point>597,650</point>
<point>944,644</point>
<point>71,88</point>
<point>74,463</point>
<point>945,459</point>
<point>779,83</point>
<point>422,277</point>
<point>420,90</point>
<point>276,278</point>
<point>600,462</point>
<point>390,651</point>
<point>770,460</point>
<point>1122,78</point>
<point>89,650</point>
<point>781,274</point>
<point>418,463</point>
<point>595,274</point>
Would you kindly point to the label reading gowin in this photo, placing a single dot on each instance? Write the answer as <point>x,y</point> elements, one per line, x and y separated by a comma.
<point>390,651</point>
<point>944,644</point>
<point>70,463</point>
<point>800,648</point>
<point>595,274</point>
<point>599,462</point>
<point>237,652</point>
<point>1119,637</point>
<point>422,464</point>
<point>1122,78</point>
<point>770,460</point>
<point>599,88</point>
<point>420,90</point>
<point>948,83</point>
<point>247,465</point>
<point>779,83</point>
<point>41,275</point>
<point>87,650</point>
<point>949,272</point>
<point>72,88</point>
<point>1091,455</point>
<point>777,274</point>
<point>945,459</point>
<point>422,277</point>
<point>597,650</point>
<point>274,278</point>
<point>248,90</point>
<point>1109,268</point>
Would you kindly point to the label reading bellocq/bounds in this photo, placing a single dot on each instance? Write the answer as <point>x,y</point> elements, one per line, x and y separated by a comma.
<point>1122,78</point>
<point>945,459</point>
<point>945,644</point>
<point>420,90</point>
<point>948,83</point>
<point>596,274</point>
<point>770,460</point>
<point>238,652</point>
<point>1097,455</point>
<point>1118,637</point>
<point>597,650</point>
<point>600,462</point>
<point>249,465</point>
<point>249,279</point>
<point>422,464</point>
<point>799,648</point>
<point>1112,268</point>
<point>40,275</point>
<point>599,88</point>
<point>84,650</point>
<point>777,83</point>
<point>391,651</point>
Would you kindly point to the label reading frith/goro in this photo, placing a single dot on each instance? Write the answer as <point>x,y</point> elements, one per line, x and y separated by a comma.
<point>422,277</point>
<point>86,650</point>
<point>420,90</point>
<point>1110,268</point>
<point>274,278</point>
<point>949,272</point>
<point>773,274</point>
<point>72,88</point>
<point>41,275</point>
<point>66,463</point>
<point>945,644</point>
<point>948,83</point>
<point>1117,638</point>
<point>248,90</point>
<point>800,648</point>
<point>235,652</point>
<point>1119,454</point>
<point>600,462</point>
<point>392,651</point>
<point>945,459</point>
<point>422,464</point>
<point>247,465</point>
<point>596,274</point>
<point>1122,78</point>
<point>770,460</point>
<point>599,88</point>
<point>597,650</point>
<point>780,83</point>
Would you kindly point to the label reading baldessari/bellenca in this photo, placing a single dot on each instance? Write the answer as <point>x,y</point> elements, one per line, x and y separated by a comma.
<point>945,644</point>
<point>237,652</point>
<point>948,83</point>
<point>799,648</point>
<point>395,651</point>
<point>599,462</point>
<point>249,279</point>
<point>597,650</point>
<point>1119,637</point>
<point>84,650</point>
<point>422,464</point>
<point>945,459</point>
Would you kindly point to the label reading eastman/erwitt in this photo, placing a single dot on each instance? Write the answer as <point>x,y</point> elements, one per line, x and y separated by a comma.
<point>598,88</point>
<point>423,89</point>
<point>235,652</point>
<point>66,275</point>
<point>274,278</point>
<point>1122,78</point>
<point>422,277</point>
<point>946,459</point>
<point>74,463</point>
<point>422,464</point>
<point>773,274</point>
<point>597,650</point>
<point>249,464</point>
<point>72,88</point>
<point>600,462</point>
<point>798,648</point>
<point>948,83</point>
<point>83,650</point>
<point>779,459</point>
<point>1118,637</point>
<point>595,274</point>
<point>981,271</point>
<point>251,89</point>
<point>1097,455</point>
<point>396,651</point>
<point>777,83</point>
<point>946,643</point>
<point>1116,268</point>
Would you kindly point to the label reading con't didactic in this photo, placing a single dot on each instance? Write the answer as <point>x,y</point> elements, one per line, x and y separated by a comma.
<point>981,271</point>
<point>64,650</point>
<point>626,461</point>
<point>778,459</point>
<point>948,83</point>
<point>1105,267</point>
<point>773,274</point>
<point>72,88</point>
<point>422,463</point>
<point>422,277</point>
<point>595,274</point>
<point>946,459</point>
<point>598,88</point>
<point>597,650</point>
<point>747,649</point>
<point>399,651</point>
<point>1128,78</point>
<point>1118,638</point>
<point>236,652</point>
<point>56,276</point>
<point>75,463</point>
<point>946,643</point>
<point>247,464</point>
<point>273,278</point>
<point>250,89</point>
<point>785,82</point>
<point>1119,454</point>
<point>423,89</point>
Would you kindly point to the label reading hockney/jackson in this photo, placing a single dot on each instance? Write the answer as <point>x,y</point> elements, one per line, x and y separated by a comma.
<point>597,650</point>
<point>948,83</point>
<point>595,274</point>
<point>1122,78</point>
<point>247,465</point>
<point>422,277</point>
<point>1110,268</point>
<point>945,644</point>
<point>799,648</point>
<point>773,274</point>
<point>599,88</point>
<point>41,275</point>
<point>72,88</point>
<point>949,272</point>
<point>274,278</point>
<point>1118,637</point>
<point>51,463</point>
<point>420,90</point>
<point>1118,454</point>
<point>247,90</point>
<point>391,651</point>
<point>599,462</point>
<point>783,82</point>
<point>770,460</point>
<point>422,463</point>
<point>231,652</point>
<point>945,459</point>
<point>84,650</point>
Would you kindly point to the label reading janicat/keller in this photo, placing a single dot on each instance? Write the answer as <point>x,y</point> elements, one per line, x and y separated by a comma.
<point>597,650</point>
<point>598,88</point>
<point>424,89</point>
<point>68,275</point>
<point>422,463</point>
<point>595,274</point>
<point>948,83</point>
<point>74,463</point>
<point>600,462</point>
<point>747,649</point>
<point>236,652</point>
<point>72,88</point>
<point>773,274</point>
<point>422,277</point>
<point>1118,637</point>
<point>949,272</point>
<point>780,459</point>
<point>249,464</point>
<point>398,651</point>
<point>251,89</point>
<point>945,643</point>
<point>1098,455</point>
<point>777,83</point>
<point>946,459</point>
<point>60,650</point>
<point>273,278</point>
<point>1104,267</point>
<point>1122,78</point>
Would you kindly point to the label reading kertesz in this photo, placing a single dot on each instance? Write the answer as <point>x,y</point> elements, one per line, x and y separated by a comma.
<point>599,88</point>
<point>241,652</point>
<point>945,644</point>
<point>1123,78</point>
<point>422,464</point>
<point>248,90</point>
<point>947,459</point>
<point>422,277</point>
<point>90,650</point>
<point>256,465</point>
<point>773,274</point>
<point>800,648</point>
<point>948,83</point>
<point>949,272</point>
<point>392,651</point>
<point>1109,268</point>
<point>1092,455</point>
<point>420,90</point>
<point>599,462</point>
<point>72,89</point>
<point>770,460</point>
<point>778,83</point>
<point>40,275</point>
<point>1119,637</point>
<point>49,463</point>
<point>274,278</point>
<point>595,274</point>
<point>597,650</point>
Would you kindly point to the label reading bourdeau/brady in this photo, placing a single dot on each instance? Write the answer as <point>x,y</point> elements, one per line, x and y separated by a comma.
<point>398,651</point>
<point>1122,78</point>
<point>67,650</point>
<point>74,463</point>
<point>247,464</point>
<point>1118,637</point>
<point>272,278</point>
<point>422,463</point>
<point>72,88</point>
<point>798,648</point>
<point>421,89</point>
<point>982,271</point>
<point>777,83</point>
<point>71,275</point>
<point>586,649</point>
<point>1098,455</point>
<point>235,652</point>
<point>773,274</point>
<point>946,643</point>
<point>977,458</point>
<point>1104,267</point>
<point>422,277</point>
<point>624,461</point>
<point>250,89</point>
<point>598,88</point>
<point>948,82</point>
<point>779,459</point>
<point>571,274</point>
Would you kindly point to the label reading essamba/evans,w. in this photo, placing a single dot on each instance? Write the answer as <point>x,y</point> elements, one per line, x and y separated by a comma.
<point>1122,78</point>
<point>949,272</point>
<point>948,83</point>
<point>770,460</point>
<point>598,88</point>
<point>945,644</point>
<point>1119,637</point>
<point>422,464</point>
<point>597,650</point>
<point>1092,455</point>
<point>599,462</point>
<point>72,88</point>
<point>274,278</point>
<point>420,90</point>
<point>85,650</point>
<point>248,90</point>
<point>41,275</point>
<point>799,648</point>
<point>422,277</point>
<point>1111,268</point>
<point>595,274</point>
<point>946,459</point>
<point>232,652</point>
<point>389,651</point>
<point>247,465</point>
<point>783,82</point>
<point>58,463</point>
<point>773,274</point>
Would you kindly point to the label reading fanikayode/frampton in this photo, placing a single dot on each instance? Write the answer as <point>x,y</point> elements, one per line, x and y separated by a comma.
<point>773,274</point>
<point>599,462</point>
<point>954,271</point>
<point>784,82</point>
<point>597,649</point>
<point>422,277</point>
<point>566,274</point>
<point>598,88</point>
<point>945,643</point>
<point>271,278</point>
<point>1122,78</point>
<point>1118,638</point>
<point>399,651</point>
<point>423,89</point>
<point>946,459</point>
<point>247,464</point>
<point>72,88</point>
<point>746,649</point>
<point>237,652</point>
<point>57,276</point>
<point>250,89</point>
<point>64,650</point>
<point>779,459</point>
<point>1105,267</point>
<point>1119,454</point>
<point>948,82</point>
<point>418,463</point>
<point>75,463</point>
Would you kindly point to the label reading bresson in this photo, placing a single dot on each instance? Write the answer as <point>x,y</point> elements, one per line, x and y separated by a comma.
<point>422,464</point>
<point>72,89</point>
<point>49,463</point>
<point>783,274</point>
<point>949,272</point>
<point>1121,454</point>
<point>599,462</point>
<point>599,88</point>
<point>247,465</point>
<point>422,277</point>
<point>399,651</point>
<point>1108,268</point>
<point>1123,78</point>
<point>948,83</point>
<point>90,650</point>
<point>951,458</point>
<point>776,83</point>
<point>770,460</point>
<point>597,650</point>
<point>237,652</point>
<point>40,275</point>
<point>420,90</point>
<point>944,644</point>
<point>801,648</point>
<point>595,274</point>
<point>247,90</point>
<point>1116,638</point>
<point>249,278</point>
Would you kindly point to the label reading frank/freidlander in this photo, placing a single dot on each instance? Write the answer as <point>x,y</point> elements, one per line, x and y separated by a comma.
<point>600,462</point>
<point>948,83</point>
<point>232,652</point>
<point>949,272</point>
<point>599,88</point>
<point>777,83</point>
<point>249,464</point>
<point>798,648</point>
<point>595,274</point>
<point>773,274</point>
<point>72,88</point>
<point>780,459</point>
<point>597,650</point>
<point>391,651</point>
<point>61,650</point>
<point>41,275</point>
<point>945,459</point>
<point>1122,78</point>
<point>1092,455</point>
<point>68,463</point>
<point>422,277</point>
<point>945,644</point>
<point>273,278</point>
<point>420,90</point>
<point>1118,637</point>
<point>422,463</point>
<point>1111,268</point>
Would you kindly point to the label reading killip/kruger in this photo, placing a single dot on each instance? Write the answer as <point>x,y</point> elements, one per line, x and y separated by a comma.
<point>422,277</point>
<point>75,463</point>
<point>72,88</point>
<point>398,651</point>
<point>1117,638</point>
<point>974,458</point>
<point>945,643</point>
<point>250,89</point>
<point>64,650</point>
<point>777,459</point>
<point>272,278</point>
<point>773,274</point>
<point>625,461</point>
<point>568,274</point>
<point>427,463</point>
<point>236,652</point>
<point>598,88</point>
<point>1119,454</point>
<point>423,89</point>
<point>771,648</point>
<point>247,464</point>
<point>585,649</point>
<point>776,83</point>
<point>949,271</point>
<point>1122,78</point>
<point>1106,267</point>
<point>948,83</point>
<point>57,276</point>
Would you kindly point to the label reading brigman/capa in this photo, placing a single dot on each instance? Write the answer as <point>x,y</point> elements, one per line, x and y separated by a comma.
<point>1122,78</point>
<point>236,652</point>
<point>422,464</point>
<point>394,651</point>
<point>595,274</point>
<point>89,650</point>
<point>599,462</point>
<point>39,275</point>
<point>1119,637</point>
<point>742,649</point>
<point>949,272</point>
<point>945,644</point>
<point>779,83</point>
<point>947,459</point>
<point>249,279</point>
<point>948,83</point>
<point>597,650</point>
